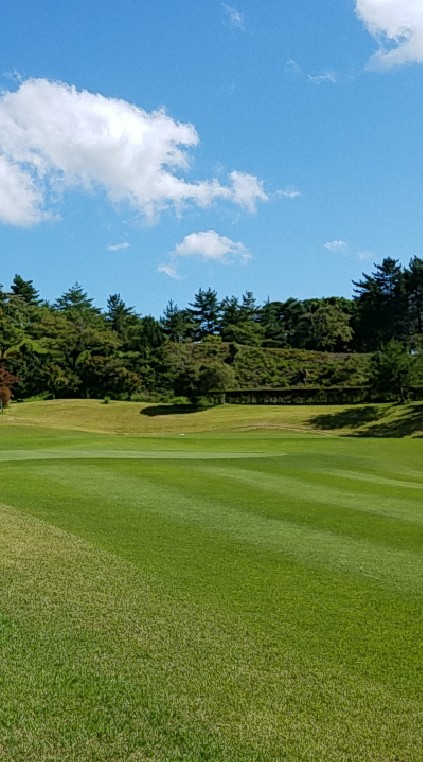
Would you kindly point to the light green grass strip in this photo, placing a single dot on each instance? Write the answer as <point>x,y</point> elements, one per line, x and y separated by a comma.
<point>385,565</point>
<point>326,489</point>
<point>45,454</point>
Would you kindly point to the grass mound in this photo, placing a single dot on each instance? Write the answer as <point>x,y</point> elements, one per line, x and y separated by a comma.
<point>388,420</point>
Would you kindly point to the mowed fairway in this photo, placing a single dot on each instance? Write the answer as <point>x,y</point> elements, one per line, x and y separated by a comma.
<point>246,596</point>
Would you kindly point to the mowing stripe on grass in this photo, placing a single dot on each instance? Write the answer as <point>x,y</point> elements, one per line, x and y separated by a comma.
<point>315,487</point>
<point>146,491</point>
<point>45,454</point>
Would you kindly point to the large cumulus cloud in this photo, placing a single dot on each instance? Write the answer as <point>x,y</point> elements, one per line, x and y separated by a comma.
<point>54,137</point>
<point>397,26</point>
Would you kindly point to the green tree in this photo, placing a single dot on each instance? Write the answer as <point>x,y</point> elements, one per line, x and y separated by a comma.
<point>177,324</point>
<point>120,318</point>
<point>205,312</point>
<point>233,312</point>
<point>414,290</point>
<point>329,327</point>
<point>293,318</point>
<point>76,301</point>
<point>249,309</point>
<point>57,380</point>
<point>246,332</point>
<point>393,370</point>
<point>381,306</point>
<point>271,318</point>
<point>107,376</point>
<point>71,336</point>
<point>230,313</point>
<point>25,290</point>
<point>146,337</point>
<point>14,322</point>
<point>197,381</point>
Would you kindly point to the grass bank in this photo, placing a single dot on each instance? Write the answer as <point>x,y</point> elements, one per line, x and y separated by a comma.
<point>386,420</point>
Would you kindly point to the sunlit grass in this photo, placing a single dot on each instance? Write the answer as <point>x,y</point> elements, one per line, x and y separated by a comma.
<point>243,597</point>
<point>142,418</point>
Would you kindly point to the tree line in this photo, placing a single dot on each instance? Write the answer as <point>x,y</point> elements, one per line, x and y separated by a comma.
<point>73,348</point>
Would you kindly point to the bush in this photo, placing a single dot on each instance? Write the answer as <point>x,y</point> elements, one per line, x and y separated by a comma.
<point>199,381</point>
<point>393,371</point>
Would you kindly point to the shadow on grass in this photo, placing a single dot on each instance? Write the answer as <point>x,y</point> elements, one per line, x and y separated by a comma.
<point>154,410</point>
<point>374,421</point>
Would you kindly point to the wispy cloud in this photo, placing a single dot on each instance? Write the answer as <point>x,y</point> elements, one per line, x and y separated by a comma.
<point>342,246</point>
<point>337,245</point>
<point>122,246</point>
<point>208,246</point>
<point>54,137</point>
<point>293,69</point>
<point>320,79</point>
<point>290,193</point>
<point>234,16</point>
<point>169,269</point>
<point>397,26</point>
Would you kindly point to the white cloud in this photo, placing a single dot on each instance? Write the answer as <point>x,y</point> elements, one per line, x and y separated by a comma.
<point>289,193</point>
<point>55,137</point>
<point>294,69</point>
<point>319,79</point>
<point>208,246</point>
<point>20,199</point>
<point>168,269</point>
<point>235,17</point>
<point>337,245</point>
<point>397,26</point>
<point>246,190</point>
<point>118,246</point>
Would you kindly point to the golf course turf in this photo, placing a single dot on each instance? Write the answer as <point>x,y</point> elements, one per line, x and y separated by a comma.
<point>229,586</point>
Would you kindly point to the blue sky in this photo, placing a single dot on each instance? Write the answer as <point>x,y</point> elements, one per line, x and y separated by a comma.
<point>152,148</point>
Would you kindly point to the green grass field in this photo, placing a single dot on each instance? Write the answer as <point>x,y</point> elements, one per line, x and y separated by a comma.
<point>231,585</point>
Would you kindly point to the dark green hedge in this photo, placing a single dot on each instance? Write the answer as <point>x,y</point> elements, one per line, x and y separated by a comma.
<point>307,395</point>
<point>296,395</point>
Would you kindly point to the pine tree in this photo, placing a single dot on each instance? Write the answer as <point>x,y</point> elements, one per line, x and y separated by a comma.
<point>25,290</point>
<point>381,306</point>
<point>205,312</point>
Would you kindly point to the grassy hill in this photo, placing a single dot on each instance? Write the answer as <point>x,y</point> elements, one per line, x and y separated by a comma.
<point>390,420</point>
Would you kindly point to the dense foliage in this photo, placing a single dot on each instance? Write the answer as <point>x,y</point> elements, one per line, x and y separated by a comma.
<point>72,348</point>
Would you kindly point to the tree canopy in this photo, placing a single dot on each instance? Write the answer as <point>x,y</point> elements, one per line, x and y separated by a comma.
<point>72,347</point>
